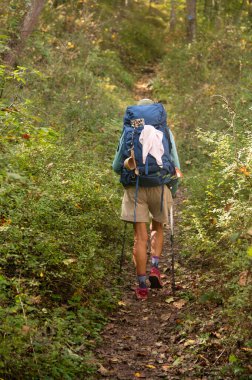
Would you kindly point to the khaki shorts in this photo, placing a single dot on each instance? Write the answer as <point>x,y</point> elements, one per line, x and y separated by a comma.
<point>148,204</point>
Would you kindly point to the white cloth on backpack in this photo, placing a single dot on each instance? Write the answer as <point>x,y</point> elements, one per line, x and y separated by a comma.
<point>152,141</point>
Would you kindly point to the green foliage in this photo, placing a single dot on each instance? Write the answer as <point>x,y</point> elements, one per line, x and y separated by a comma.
<point>206,86</point>
<point>193,76</point>
<point>11,15</point>
<point>136,32</point>
<point>59,233</point>
<point>141,45</point>
<point>58,213</point>
<point>60,116</point>
<point>107,64</point>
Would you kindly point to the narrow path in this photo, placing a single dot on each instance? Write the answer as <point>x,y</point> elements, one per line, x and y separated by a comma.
<point>137,341</point>
<point>160,337</point>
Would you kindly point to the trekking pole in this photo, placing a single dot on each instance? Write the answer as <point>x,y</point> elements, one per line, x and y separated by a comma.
<point>173,285</point>
<point>123,247</point>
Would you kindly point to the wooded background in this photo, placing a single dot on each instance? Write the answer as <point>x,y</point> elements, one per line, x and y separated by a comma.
<point>68,70</point>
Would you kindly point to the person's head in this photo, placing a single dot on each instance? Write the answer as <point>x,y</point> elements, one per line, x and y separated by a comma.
<point>144,102</point>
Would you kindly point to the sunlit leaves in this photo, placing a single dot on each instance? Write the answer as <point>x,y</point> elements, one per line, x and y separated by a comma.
<point>249,252</point>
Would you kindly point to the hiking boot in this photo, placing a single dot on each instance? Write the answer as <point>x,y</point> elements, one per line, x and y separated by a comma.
<point>155,279</point>
<point>141,293</point>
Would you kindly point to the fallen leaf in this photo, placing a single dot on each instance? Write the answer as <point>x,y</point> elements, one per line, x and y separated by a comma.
<point>26,136</point>
<point>150,366</point>
<point>25,329</point>
<point>36,300</point>
<point>205,359</point>
<point>69,261</point>
<point>141,353</point>
<point>190,342</point>
<point>180,303</point>
<point>245,171</point>
<point>121,303</point>
<point>249,251</point>
<point>114,360</point>
<point>169,300</point>
<point>248,349</point>
<point>213,221</point>
<point>139,375</point>
<point>177,362</point>
<point>243,278</point>
<point>103,371</point>
<point>165,317</point>
<point>216,334</point>
<point>70,45</point>
<point>166,367</point>
<point>228,207</point>
<point>4,221</point>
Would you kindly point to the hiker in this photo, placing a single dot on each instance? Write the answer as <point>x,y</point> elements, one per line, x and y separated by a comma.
<point>147,161</point>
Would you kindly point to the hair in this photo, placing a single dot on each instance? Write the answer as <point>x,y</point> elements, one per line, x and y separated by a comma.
<point>144,102</point>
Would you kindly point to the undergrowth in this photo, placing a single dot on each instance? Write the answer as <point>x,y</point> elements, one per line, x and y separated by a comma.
<point>60,237</point>
<point>60,119</point>
<point>206,87</point>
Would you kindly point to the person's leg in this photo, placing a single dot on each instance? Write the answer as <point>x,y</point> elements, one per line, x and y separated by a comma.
<point>159,201</point>
<point>140,258</point>
<point>140,247</point>
<point>139,215</point>
<point>157,238</point>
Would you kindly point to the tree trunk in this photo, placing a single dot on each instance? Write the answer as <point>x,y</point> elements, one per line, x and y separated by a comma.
<point>208,9</point>
<point>250,10</point>
<point>238,14</point>
<point>191,20</point>
<point>27,27</point>
<point>211,9</point>
<point>173,16</point>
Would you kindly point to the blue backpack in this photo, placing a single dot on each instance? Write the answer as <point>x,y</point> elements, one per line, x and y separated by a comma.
<point>149,174</point>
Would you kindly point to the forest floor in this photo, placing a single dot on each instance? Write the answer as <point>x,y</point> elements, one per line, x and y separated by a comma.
<point>168,336</point>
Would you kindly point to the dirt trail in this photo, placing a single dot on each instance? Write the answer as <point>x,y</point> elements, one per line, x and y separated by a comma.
<point>137,343</point>
<point>149,339</point>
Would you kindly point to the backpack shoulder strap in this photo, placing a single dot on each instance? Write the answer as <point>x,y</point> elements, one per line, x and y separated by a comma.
<point>167,133</point>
